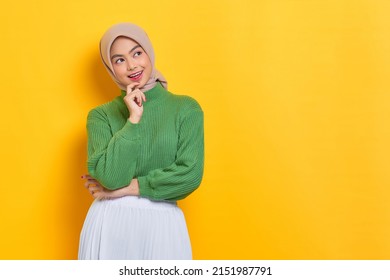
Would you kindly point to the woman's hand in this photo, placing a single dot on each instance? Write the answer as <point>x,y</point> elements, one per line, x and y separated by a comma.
<point>99,192</point>
<point>133,100</point>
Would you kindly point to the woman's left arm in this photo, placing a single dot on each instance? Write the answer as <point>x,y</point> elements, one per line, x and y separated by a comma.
<point>182,177</point>
<point>99,192</point>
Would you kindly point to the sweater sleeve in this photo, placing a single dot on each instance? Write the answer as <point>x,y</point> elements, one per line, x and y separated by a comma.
<point>182,177</point>
<point>111,157</point>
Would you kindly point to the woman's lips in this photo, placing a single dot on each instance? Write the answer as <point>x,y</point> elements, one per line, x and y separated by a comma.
<point>136,76</point>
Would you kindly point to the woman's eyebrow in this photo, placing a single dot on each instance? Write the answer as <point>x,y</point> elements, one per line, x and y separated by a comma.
<point>119,55</point>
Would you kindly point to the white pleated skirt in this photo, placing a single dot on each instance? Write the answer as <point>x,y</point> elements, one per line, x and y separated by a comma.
<point>134,228</point>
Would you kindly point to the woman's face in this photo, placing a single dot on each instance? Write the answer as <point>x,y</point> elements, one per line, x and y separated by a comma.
<point>130,62</point>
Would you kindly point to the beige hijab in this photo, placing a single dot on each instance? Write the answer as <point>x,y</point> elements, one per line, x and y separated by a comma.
<point>137,34</point>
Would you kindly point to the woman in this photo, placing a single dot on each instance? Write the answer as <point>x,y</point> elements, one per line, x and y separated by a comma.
<point>145,152</point>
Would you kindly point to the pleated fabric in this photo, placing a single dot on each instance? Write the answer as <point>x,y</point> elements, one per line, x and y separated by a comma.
<point>134,228</point>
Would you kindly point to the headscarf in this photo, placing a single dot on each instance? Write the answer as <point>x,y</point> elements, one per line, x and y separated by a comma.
<point>137,34</point>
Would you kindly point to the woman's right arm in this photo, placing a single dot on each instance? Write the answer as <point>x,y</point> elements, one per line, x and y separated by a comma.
<point>111,157</point>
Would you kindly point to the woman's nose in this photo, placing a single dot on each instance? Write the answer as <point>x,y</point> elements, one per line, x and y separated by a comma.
<point>131,66</point>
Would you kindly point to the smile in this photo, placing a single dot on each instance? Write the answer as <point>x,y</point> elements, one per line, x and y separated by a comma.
<point>136,76</point>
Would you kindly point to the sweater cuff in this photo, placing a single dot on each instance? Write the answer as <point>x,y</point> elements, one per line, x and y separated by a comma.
<point>145,189</point>
<point>130,131</point>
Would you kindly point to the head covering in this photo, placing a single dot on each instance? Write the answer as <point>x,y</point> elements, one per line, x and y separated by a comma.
<point>137,34</point>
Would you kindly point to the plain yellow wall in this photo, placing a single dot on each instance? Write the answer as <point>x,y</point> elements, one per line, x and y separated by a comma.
<point>297,121</point>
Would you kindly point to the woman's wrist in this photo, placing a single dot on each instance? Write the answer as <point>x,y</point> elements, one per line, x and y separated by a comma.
<point>133,188</point>
<point>134,119</point>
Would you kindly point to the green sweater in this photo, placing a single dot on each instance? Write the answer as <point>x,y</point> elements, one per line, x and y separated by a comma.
<point>164,151</point>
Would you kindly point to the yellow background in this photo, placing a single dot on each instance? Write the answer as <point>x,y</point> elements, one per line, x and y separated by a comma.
<point>297,121</point>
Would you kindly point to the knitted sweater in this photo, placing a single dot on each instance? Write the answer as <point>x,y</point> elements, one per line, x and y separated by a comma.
<point>164,151</point>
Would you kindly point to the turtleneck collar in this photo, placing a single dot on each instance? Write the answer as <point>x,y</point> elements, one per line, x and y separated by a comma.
<point>153,94</point>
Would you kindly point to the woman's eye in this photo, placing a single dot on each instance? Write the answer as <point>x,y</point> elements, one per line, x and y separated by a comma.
<point>119,60</point>
<point>137,53</point>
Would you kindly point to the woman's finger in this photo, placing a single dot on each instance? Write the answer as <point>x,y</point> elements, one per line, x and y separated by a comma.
<point>95,188</point>
<point>88,183</point>
<point>130,87</point>
<point>92,180</point>
<point>139,94</point>
<point>136,96</point>
<point>98,193</point>
<point>139,99</point>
